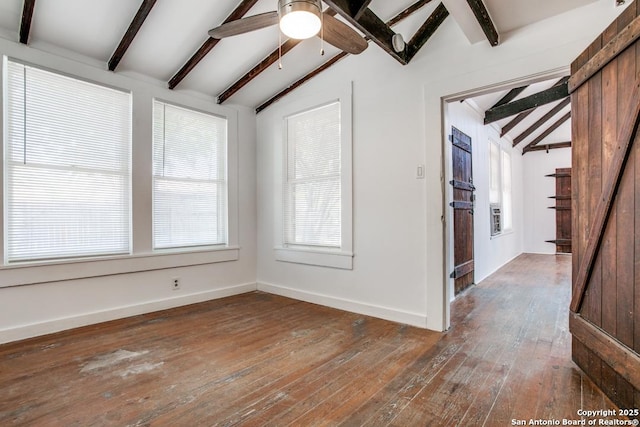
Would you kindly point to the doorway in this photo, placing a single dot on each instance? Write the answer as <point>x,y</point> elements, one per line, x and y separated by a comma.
<point>494,205</point>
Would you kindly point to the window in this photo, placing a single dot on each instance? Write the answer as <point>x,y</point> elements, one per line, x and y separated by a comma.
<point>494,167</point>
<point>500,198</point>
<point>314,217</point>
<point>507,216</point>
<point>67,167</point>
<point>189,178</point>
<point>312,212</point>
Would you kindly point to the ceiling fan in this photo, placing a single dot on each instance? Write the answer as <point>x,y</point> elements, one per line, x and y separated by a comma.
<point>298,19</point>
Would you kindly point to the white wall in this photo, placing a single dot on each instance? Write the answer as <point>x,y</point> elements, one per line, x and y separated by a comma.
<point>30,304</point>
<point>540,221</point>
<point>399,267</point>
<point>398,230</point>
<point>490,253</point>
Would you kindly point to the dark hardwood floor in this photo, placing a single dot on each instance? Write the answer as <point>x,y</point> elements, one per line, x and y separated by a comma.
<point>264,360</point>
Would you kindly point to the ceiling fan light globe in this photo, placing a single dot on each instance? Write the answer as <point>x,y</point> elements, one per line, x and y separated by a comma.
<point>300,19</point>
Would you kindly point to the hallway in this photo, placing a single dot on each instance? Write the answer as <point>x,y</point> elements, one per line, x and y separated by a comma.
<point>509,350</point>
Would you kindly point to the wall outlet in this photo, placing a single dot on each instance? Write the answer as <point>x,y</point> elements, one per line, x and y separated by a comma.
<point>175,283</point>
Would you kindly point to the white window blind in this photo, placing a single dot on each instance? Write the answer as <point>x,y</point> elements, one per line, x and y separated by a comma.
<point>494,171</point>
<point>67,167</point>
<point>189,178</point>
<point>312,194</point>
<point>507,215</point>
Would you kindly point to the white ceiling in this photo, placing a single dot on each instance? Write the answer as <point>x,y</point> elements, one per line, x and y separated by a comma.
<point>509,15</point>
<point>175,29</point>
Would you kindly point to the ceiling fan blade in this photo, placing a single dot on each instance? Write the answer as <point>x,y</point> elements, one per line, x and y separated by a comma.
<point>244,25</point>
<point>342,36</point>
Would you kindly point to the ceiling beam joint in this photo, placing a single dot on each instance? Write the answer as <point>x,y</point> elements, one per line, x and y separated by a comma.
<point>371,25</point>
<point>284,92</point>
<point>520,117</point>
<point>427,29</point>
<point>555,110</point>
<point>510,96</point>
<point>262,66</point>
<point>358,7</point>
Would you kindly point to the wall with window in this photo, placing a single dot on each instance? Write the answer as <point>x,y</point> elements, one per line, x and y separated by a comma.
<point>45,287</point>
<point>497,176</point>
<point>398,239</point>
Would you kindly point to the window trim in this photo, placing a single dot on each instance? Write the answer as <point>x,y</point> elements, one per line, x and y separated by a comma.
<point>342,257</point>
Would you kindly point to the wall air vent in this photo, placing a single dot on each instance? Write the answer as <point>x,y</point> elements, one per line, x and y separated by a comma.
<point>496,219</point>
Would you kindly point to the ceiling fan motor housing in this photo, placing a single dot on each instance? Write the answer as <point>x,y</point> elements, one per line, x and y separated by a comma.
<point>300,19</point>
<point>287,6</point>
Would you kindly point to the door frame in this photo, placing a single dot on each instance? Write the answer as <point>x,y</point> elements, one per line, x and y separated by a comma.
<point>447,172</point>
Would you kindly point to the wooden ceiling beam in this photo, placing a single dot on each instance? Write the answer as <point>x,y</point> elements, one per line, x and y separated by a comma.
<point>530,102</point>
<point>255,71</point>
<point>301,81</point>
<point>510,96</point>
<point>520,117</point>
<point>544,119</point>
<point>482,15</point>
<point>210,43</point>
<point>25,22</point>
<point>547,132</point>
<point>427,29</point>
<point>393,21</point>
<point>514,122</point>
<point>262,66</point>
<point>407,12</point>
<point>358,7</point>
<point>370,24</point>
<point>130,34</point>
<point>547,147</point>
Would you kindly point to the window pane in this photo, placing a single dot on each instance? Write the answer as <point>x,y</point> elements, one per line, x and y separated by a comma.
<point>312,192</point>
<point>507,213</point>
<point>316,213</point>
<point>190,186</point>
<point>68,167</point>
<point>494,168</point>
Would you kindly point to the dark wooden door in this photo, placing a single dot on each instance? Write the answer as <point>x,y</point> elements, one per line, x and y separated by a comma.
<point>462,205</point>
<point>605,307</point>
<point>563,210</point>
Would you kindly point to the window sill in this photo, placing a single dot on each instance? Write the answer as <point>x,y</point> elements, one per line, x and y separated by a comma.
<point>504,233</point>
<point>326,258</point>
<point>31,273</point>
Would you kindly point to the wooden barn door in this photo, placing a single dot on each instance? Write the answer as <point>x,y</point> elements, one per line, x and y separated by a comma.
<point>605,306</point>
<point>462,210</point>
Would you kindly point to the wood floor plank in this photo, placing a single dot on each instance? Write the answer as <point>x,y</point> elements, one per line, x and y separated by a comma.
<point>264,360</point>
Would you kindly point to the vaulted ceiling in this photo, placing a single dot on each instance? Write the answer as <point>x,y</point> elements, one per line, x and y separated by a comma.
<point>535,116</point>
<point>167,40</point>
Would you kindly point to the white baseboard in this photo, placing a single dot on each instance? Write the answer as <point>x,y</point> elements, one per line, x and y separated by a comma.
<point>413,319</point>
<point>57,325</point>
